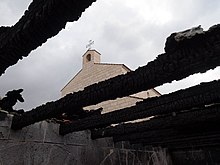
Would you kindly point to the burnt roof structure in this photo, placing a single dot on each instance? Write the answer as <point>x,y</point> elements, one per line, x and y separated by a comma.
<point>178,116</point>
<point>204,94</point>
<point>177,120</point>
<point>42,20</point>
<point>188,56</point>
<point>197,127</point>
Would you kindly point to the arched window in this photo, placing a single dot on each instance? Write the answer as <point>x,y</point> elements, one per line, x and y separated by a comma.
<point>88,57</point>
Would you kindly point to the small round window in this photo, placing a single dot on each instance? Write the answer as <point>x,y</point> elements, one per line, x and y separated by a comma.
<point>88,57</point>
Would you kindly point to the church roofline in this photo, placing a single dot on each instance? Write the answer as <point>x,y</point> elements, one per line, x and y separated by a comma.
<point>91,50</point>
<point>123,65</point>
<point>156,91</point>
<point>70,80</point>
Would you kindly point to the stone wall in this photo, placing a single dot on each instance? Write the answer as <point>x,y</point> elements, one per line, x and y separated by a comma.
<point>40,144</point>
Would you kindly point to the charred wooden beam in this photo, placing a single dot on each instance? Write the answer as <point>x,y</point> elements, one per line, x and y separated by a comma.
<point>200,95</point>
<point>182,119</point>
<point>184,124</point>
<point>192,141</point>
<point>196,135</point>
<point>200,135</point>
<point>42,20</point>
<point>193,55</point>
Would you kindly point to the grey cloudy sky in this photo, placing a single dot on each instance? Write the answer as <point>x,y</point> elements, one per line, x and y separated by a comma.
<point>125,31</point>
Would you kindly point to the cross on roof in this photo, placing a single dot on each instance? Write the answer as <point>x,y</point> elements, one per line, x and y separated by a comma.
<point>89,45</point>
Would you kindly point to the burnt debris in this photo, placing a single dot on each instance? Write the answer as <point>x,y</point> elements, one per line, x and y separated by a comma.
<point>10,100</point>
<point>81,113</point>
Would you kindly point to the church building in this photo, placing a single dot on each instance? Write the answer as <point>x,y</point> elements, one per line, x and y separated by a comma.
<point>94,71</point>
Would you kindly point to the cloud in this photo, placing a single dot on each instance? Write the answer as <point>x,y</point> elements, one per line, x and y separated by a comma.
<point>11,11</point>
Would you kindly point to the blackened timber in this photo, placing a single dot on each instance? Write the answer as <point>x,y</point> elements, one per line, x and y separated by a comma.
<point>175,139</point>
<point>42,20</point>
<point>197,96</point>
<point>194,55</point>
<point>185,124</point>
<point>200,134</point>
<point>190,117</point>
<point>200,140</point>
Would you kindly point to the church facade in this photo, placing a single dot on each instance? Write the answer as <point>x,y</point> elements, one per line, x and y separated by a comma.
<point>94,71</point>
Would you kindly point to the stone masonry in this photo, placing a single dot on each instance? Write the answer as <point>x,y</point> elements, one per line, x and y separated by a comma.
<point>41,144</point>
